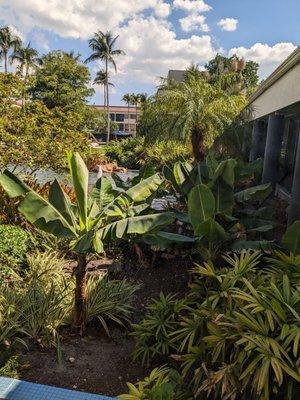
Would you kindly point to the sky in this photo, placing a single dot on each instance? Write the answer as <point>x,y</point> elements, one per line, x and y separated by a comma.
<point>158,35</point>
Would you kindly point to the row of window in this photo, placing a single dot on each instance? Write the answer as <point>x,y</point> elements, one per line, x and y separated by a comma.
<point>121,117</point>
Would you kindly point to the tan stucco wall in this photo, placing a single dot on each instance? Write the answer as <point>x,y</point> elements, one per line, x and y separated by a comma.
<point>282,93</point>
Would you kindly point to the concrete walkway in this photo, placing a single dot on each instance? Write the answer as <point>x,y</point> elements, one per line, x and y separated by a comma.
<point>13,389</point>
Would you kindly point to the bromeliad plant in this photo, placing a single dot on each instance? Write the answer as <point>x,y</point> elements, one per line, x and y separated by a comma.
<point>94,220</point>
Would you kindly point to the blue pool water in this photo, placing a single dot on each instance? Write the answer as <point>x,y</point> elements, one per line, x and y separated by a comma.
<point>13,389</point>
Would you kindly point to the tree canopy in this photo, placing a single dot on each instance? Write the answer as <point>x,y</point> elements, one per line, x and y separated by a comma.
<point>61,81</point>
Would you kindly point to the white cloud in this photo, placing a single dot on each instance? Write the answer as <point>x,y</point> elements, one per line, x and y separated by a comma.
<point>41,40</point>
<point>268,57</point>
<point>195,6</point>
<point>162,10</point>
<point>152,48</point>
<point>194,22</point>
<point>76,18</point>
<point>228,24</point>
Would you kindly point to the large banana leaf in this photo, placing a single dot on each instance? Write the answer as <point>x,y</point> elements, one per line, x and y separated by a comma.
<point>210,231</point>
<point>166,239</point>
<point>124,228</point>
<point>39,211</point>
<point>102,193</point>
<point>201,205</point>
<point>59,199</point>
<point>80,179</point>
<point>255,193</point>
<point>144,189</point>
<point>291,238</point>
<point>225,172</point>
<point>13,186</point>
<point>222,186</point>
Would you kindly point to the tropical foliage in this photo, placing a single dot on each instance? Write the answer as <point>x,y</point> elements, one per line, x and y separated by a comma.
<point>193,111</point>
<point>237,336</point>
<point>134,152</point>
<point>103,216</point>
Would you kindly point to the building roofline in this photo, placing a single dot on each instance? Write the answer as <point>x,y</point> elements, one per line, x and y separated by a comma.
<point>111,106</point>
<point>283,68</point>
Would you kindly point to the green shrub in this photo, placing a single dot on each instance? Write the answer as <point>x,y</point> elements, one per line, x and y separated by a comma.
<point>14,244</point>
<point>162,384</point>
<point>14,241</point>
<point>127,152</point>
<point>239,338</point>
<point>134,152</point>
<point>38,306</point>
<point>10,368</point>
<point>110,301</point>
<point>152,334</point>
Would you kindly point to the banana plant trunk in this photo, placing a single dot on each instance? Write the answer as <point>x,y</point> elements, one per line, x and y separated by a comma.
<point>198,144</point>
<point>80,294</point>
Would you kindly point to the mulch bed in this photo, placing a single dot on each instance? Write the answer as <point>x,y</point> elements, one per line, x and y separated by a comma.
<point>97,363</point>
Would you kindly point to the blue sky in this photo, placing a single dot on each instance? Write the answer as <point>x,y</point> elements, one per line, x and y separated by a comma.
<point>158,35</point>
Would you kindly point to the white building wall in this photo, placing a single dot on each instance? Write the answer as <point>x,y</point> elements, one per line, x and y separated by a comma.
<point>284,92</point>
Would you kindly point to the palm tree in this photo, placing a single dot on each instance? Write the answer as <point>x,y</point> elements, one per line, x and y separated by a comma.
<point>143,100</point>
<point>103,48</point>
<point>135,100</point>
<point>27,58</point>
<point>8,40</point>
<point>127,99</point>
<point>193,110</point>
<point>100,79</point>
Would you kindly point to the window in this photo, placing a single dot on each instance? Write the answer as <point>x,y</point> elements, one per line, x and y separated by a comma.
<point>132,116</point>
<point>119,117</point>
<point>121,127</point>
<point>113,117</point>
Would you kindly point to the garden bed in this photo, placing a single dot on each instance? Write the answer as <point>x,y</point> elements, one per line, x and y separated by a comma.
<point>97,363</point>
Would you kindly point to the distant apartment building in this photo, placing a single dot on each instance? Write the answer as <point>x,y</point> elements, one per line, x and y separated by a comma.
<point>126,118</point>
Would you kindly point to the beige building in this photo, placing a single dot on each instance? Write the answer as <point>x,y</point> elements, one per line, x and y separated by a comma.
<point>126,118</point>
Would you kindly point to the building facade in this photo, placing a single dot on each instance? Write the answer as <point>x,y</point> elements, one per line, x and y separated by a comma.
<point>276,126</point>
<point>126,118</point>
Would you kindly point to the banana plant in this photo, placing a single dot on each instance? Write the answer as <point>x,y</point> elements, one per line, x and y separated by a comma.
<point>95,219</point>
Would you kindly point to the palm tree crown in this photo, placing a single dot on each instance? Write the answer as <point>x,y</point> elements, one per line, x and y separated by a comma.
<point>8,40</point>
<point>102,79</point>
<point>27,57</point>
<point>102,46</point>
<point>193,110</point>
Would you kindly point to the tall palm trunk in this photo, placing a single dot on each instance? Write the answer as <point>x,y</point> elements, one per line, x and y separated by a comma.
<point>128,116</point>
<point>104,95</point>
<point>80,294</point>
<point>136,117</point>
<point>25,85</point>
<point>107,102</point>
<point>5,61</point>
<point>198,144</point>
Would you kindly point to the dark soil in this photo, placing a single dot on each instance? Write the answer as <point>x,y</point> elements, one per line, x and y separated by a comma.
<point>97,363</point>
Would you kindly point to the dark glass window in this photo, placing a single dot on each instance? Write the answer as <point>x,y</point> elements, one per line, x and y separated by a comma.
<point>113,117</point>
<point>120,117</point>
<point>132,116</point>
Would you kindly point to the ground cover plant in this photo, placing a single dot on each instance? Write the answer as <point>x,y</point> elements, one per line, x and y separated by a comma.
<point>237,333</point>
